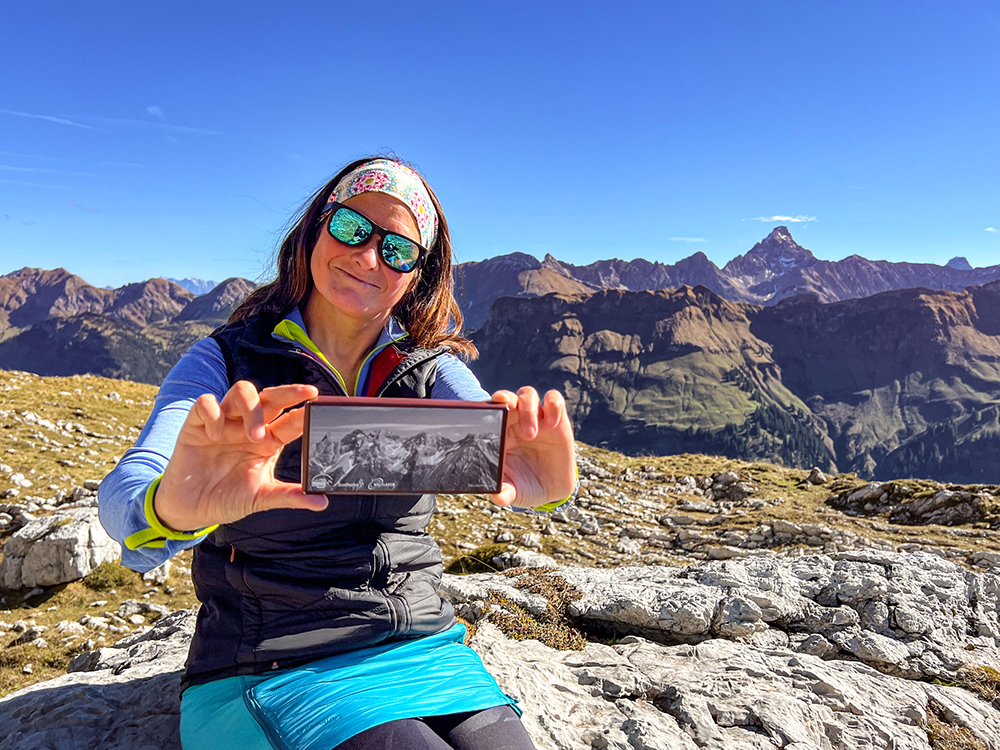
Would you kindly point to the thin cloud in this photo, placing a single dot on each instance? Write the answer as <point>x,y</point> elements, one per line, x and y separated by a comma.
<point>688,239</point>
<point>170,128</point>
<point>156,111</point>
<point>791,219</point>
<point>990,229</point>
<point>48,118</point>
<point>10,168</point>
<point>34,184</point>
<point>17,155</point>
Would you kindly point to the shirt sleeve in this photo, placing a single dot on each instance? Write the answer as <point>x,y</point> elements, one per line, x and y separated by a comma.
<point>455,381</point>
<point>125,496</point>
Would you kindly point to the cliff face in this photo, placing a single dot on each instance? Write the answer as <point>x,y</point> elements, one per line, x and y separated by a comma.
<point>217,304</point>
<point>664,371</point>
<point>850,383</point>
<point>882,370</point>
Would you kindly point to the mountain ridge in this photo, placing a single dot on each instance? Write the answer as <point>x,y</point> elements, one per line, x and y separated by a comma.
<point>774,269</point>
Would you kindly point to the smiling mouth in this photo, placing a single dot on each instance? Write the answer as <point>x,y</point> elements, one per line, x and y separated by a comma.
<point>359,280</point>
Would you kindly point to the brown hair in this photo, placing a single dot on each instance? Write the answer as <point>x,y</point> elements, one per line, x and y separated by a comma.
<point>428,311</point>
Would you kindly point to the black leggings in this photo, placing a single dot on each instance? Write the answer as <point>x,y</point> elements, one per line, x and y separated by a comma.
<point>496,728</point>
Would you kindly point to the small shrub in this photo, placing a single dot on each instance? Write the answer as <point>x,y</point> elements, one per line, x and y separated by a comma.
<point>111,576</point>
<point>552,627</point>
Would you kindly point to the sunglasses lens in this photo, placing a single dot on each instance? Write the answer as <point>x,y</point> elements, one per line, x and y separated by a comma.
<point>400,253</point>
<point>349,227</point>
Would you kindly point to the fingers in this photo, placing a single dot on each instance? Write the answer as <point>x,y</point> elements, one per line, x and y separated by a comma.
<point>553,409</point>
<point>206,413</point>
<point>242,402</point>
<point>286,495</point>
<point>504,397</point>
<point>255,410</point>
<point>527,411</point>
<point>506,496</point>
<point>276,400</point>
<point>288,426</point>
<point>525,405</point>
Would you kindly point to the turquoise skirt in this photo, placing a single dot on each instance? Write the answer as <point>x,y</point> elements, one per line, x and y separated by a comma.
<point>326,702</point>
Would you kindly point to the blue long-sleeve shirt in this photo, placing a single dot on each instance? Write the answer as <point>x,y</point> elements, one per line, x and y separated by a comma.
<point>125,495</point>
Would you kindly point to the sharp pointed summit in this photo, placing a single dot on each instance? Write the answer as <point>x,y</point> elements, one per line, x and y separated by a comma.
<point>774,256</point>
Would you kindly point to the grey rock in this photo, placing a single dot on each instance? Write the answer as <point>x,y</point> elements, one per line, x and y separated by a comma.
<point>819,651</point>
<point>738,616</point>
<point>129,699</point>
<point>530,540</point>
<point>56,549</point>
<point>720,695</point>
<point>817,477</point>
<point>158,575</point>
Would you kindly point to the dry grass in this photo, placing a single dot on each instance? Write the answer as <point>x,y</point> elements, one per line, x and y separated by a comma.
<point>983,681</point>
<point>60,459</point>
<point>945,736</point>
<point>480,560</point>
<point>466,526</point>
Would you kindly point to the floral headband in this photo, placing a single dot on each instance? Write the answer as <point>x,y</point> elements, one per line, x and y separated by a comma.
<point>392,178</point>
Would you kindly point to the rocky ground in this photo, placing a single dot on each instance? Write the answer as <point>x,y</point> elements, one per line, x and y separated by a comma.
<point>683,601</point>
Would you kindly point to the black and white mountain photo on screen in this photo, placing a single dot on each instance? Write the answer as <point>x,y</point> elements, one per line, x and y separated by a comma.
<point>388,449</point>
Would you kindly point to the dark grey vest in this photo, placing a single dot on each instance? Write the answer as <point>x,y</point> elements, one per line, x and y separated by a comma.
<point>284,587</point>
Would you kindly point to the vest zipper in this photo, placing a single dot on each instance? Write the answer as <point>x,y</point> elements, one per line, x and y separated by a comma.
<point>322,368</point>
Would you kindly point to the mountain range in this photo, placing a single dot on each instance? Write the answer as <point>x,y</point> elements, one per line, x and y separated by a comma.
<point>876,367</point>
<point>901,383</point>
<point>774,269</point>
<point>55,323</point>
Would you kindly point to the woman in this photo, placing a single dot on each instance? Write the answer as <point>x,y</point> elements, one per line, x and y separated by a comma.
<point>320,624</point>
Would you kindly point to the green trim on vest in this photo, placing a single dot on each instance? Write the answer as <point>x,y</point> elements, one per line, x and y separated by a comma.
<point>289,331</point>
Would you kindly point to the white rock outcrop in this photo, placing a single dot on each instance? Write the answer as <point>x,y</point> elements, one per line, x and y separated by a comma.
<point>819,652</point>
<point>60,548</point>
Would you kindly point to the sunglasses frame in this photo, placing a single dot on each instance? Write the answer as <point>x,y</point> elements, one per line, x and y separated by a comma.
<point>332,208</point>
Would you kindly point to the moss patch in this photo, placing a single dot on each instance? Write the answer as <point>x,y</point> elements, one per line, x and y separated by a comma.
<point>107,576</point>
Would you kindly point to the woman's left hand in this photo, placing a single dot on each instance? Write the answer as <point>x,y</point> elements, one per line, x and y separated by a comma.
<point>539,460</point>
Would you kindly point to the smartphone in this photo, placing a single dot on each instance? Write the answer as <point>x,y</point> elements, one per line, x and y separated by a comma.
<point>402,446</point>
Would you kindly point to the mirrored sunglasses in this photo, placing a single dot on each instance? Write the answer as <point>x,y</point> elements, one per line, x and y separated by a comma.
<point>351,228</point>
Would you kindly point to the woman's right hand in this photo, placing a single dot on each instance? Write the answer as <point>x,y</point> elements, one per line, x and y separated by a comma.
<point>222,468</point>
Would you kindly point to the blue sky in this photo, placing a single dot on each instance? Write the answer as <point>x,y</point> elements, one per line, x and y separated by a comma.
<point>177,139</point>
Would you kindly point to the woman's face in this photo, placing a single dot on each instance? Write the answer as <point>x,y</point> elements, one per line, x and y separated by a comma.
<point>354,280</point>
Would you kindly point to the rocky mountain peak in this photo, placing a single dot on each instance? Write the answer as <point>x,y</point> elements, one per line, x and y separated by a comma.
<point>774,256</point>
<point>218,303</point>
<point>959,264</point>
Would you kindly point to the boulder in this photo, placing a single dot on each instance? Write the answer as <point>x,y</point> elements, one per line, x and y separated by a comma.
<point>126,697</point>
<point>60,548</point>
